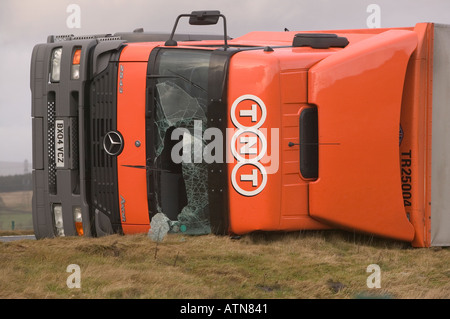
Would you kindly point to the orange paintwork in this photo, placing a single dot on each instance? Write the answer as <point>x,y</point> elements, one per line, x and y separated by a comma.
<point>362,93</point>
<point>283,204</point>
<point>137,52</point>
<point>358,94</point>
<point>249,75</point>
<point>131,124</point>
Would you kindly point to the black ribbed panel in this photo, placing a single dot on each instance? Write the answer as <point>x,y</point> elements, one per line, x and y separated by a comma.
<point>103,113</point>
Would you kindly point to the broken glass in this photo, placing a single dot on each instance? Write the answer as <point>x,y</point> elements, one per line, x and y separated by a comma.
<point>159,227</point>
<point>181,102</point>
<point>177,109</point>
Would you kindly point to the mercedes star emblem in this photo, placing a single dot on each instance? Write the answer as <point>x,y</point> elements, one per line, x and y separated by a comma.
<point>113,143</point>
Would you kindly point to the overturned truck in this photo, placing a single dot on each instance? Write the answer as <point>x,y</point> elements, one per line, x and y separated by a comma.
<point>270,131</point>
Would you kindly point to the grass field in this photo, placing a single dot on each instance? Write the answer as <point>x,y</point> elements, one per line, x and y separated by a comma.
<point>15,209</point>
<point>307,265</point>
<point>326,265</point>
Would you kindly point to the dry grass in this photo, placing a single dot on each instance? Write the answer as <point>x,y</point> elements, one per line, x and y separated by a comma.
<point>296,265</point>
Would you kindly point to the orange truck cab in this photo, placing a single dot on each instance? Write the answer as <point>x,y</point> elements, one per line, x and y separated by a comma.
<point>270,131</point>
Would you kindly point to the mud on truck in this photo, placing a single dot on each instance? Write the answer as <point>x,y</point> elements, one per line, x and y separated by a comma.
<point>269,131</point>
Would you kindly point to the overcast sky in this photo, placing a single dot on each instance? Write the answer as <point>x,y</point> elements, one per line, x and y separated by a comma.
<point>24,23</point>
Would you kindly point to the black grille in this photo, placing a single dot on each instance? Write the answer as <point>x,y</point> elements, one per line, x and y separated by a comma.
<point>74,151</point>
<point>104,192</point>
<point>51,113</point>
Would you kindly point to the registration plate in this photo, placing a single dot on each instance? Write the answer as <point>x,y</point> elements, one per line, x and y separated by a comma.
<point>59,143</point>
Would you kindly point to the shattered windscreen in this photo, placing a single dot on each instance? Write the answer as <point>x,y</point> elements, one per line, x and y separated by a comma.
<point>180,104</point>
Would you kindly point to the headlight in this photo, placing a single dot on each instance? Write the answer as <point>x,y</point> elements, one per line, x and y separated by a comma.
<point>56,65</point>
<point>77,217</point>
<point>58,216</point>
<point>75,72</point>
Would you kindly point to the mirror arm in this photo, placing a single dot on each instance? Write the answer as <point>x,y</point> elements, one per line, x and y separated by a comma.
<point>224,31</point>
<point>172,42</point>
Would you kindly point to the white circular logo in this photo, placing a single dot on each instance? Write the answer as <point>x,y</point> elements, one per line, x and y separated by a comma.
<point>257,173</point>
<point>249,139</point>
<point>248,114</point>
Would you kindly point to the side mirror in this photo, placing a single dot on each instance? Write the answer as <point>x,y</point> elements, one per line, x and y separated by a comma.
<point>201,18</point>
<point>204,17</point>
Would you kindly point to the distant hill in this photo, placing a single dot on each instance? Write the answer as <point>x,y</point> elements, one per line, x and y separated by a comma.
<point>14,168</point>
<point>15,183</point>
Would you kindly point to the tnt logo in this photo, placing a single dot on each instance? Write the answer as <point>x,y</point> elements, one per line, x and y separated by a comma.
<point>249,179</point>
<point>248,111</point>
<point>248,145</point>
